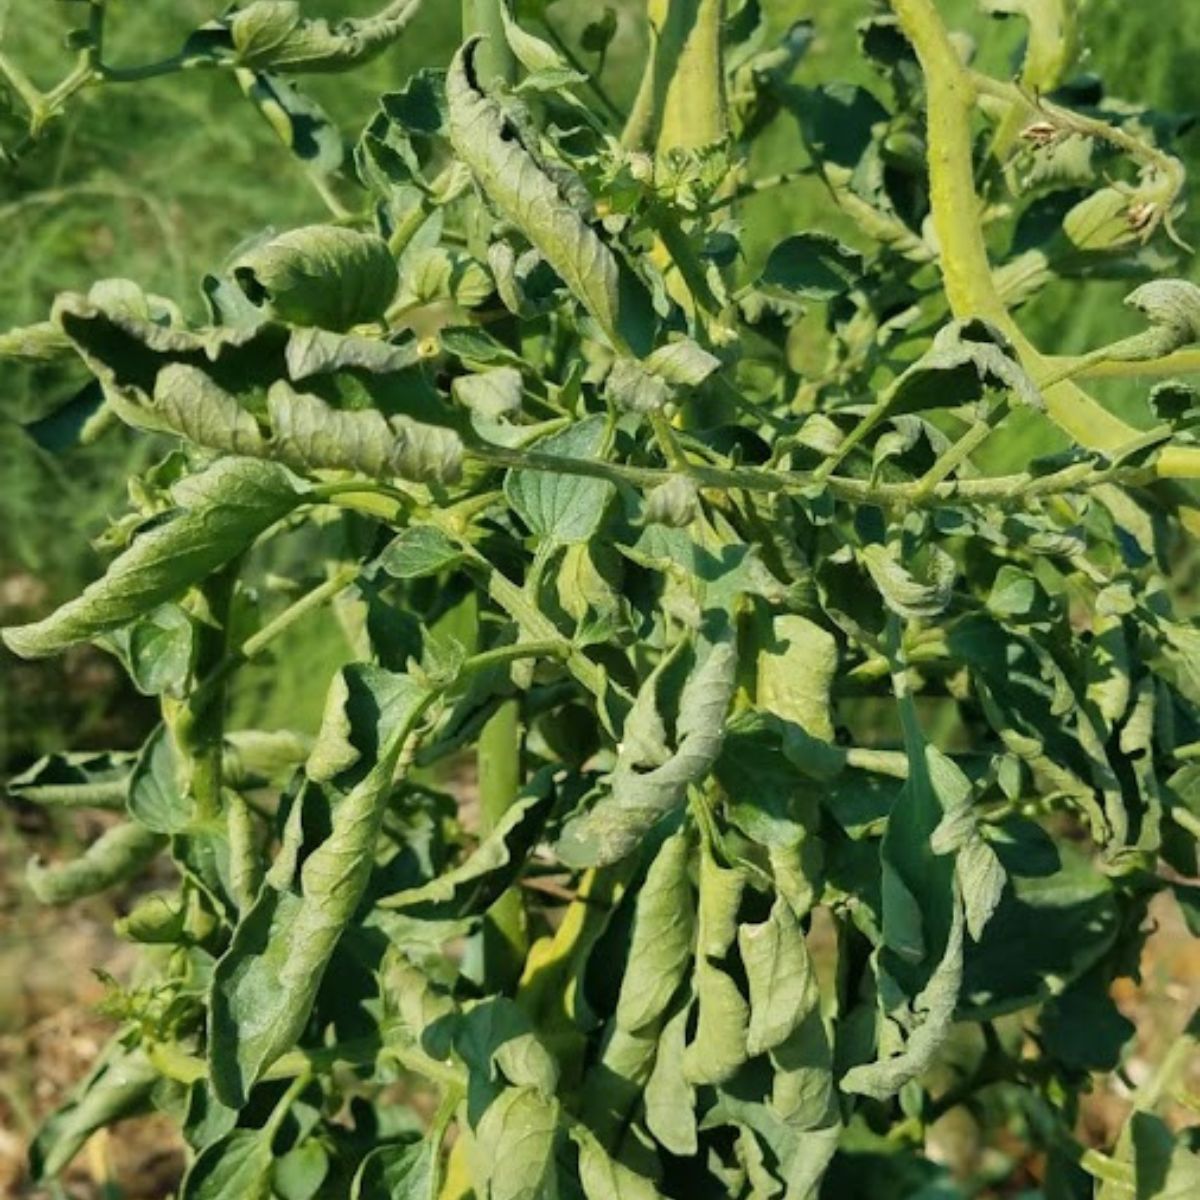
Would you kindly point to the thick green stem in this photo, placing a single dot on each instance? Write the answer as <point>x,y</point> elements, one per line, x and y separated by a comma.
<point>951,92</point>
<point>505,926</point>
<point>694,112</point>
<point>681,101</point>
<point>494,59</point>
<point>198,729</point>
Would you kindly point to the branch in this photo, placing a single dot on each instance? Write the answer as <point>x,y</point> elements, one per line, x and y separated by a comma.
<point>951,92</point>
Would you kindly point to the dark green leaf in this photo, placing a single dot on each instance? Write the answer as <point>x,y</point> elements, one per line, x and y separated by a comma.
<point>322,275</point>
<point>566,509</point>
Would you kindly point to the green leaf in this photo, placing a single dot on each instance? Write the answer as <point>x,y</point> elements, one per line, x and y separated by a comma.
<point>1013,593</point>
<point>323,275</point>
<point>597,35</point>
<point>237,1167</point>
<point>1166,1167</point>
<point>512,1155</point>
<point>118,1086</point>
<point>156,919</point>
<point>157,650</point>
<point>965,359</point>
<point>567,509</point>
<point>156,799</point>
<point>99,780</point>
<point>643,788</point>
<point>313,352</point>
<point>813,266</point>
<point>719,1043</point>
<point>299,1174</point>
<point>675,503</point>
<point>119,854</point>
<point>512,176</point>
<point>670,1099</point>
<point>265,983</point>
<point>783,987</point>
<point>663,933</point>
<point>1083,1028</point>
<point>1047,931</point>
<point>418,551</point>
<point>402,1169</point>
<point>304,128</point>
<point>220,512</point>
<point>490,870</point>
<point>189,402</point>
<point>495,393</point>
<point>766,771</point>
<point>43,342</point>
<point>796,669</point>
<point>275,35</point>
<point>903,592</point>
<point>927,1026</point>
<point>648,385</point>
<point>310,434</point>
<point>1172,306</point>
<point>604,1178</point>
<point>916,878</point>
<point>537,56</point>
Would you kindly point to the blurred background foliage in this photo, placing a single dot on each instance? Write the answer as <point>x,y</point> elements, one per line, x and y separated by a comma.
<point>160,181</point>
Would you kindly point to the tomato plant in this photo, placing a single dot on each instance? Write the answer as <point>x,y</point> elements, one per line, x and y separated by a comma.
<point>825,768</point>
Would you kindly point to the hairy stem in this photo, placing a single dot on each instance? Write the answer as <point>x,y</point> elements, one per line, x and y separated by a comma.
<point>198,724</point>
<point>681,101</point>
<point>951,92</point>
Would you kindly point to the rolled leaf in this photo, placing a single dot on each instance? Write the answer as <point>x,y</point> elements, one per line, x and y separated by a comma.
<point>641,792</point>
<point>117,855</point>
<point>322,275</point>
<point>663,933</point>
<point>221,511</point>
<point>264,985</point>
<point>779,970</point>
<point>309,434</point>
<point>119,1086</point>
<point>274,35</point>
<point>514,180</point>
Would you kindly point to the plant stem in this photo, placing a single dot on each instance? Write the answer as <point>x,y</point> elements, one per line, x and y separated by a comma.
<point>198,724</point>
<point>505,926</point>
<point>962,450</point>
<point>1182,362</point>
<point>755,187</point>
<point>951,91</point>
<point>593,80</point>
<point>1002,489</point>
<point>494,58</point>
<point>211,686</point>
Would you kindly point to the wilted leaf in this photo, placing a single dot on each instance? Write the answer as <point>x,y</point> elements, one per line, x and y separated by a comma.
<point>322,275</point>
<point>663,933</point>
<point>641,791</point>
<point>265,983</point>
<point>220,512</point>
